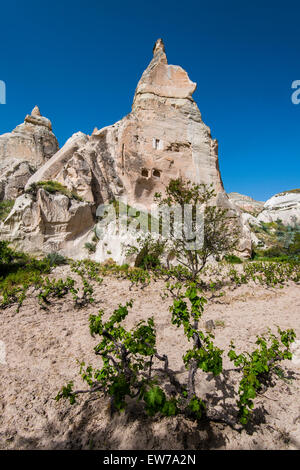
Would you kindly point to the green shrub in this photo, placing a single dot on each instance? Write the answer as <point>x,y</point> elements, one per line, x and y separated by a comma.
<point>91,247</point>
<point>18,272</point>
<point>128,369</point>
<point>258,366</point>
<point>56,259</point>
<point>5,208</point>
<point>53,187</point>
<point>232,259</point>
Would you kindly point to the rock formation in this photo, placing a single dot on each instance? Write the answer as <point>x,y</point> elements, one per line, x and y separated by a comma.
<point>23,151</point>
<point>284,206</point>
<point>246,203</point>
<point>162,138</point>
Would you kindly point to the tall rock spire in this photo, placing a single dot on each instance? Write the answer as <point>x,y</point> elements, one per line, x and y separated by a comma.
<point>163,80</point>
<point>36,111</point>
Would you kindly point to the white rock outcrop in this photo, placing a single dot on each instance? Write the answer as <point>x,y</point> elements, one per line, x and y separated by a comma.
<point>246,203</point>
<point>284,206</point>
<point>23,151</point>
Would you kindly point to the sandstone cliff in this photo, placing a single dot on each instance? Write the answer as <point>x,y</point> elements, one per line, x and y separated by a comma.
<point>23,151</point>
<point>246,203</point>
<point>284,206</point>
<point>162,138</point>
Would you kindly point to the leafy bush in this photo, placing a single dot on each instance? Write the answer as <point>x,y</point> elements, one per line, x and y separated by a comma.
<point>148,252</point>
<point>18,271</point>
<point>91,247</point>
<point>233,259</point>
<point>5,208</point>
<point>129,362</point>
<point>128,368</point>
<point>56,259</point>
<point>258,366</point>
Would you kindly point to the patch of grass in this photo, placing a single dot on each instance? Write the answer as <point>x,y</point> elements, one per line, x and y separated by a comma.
<point>53,187</point>
<point>18,272</point>
<point>56,259</point>
<point>91,247</point>
<point>232,259</point>
<point>5,208</point>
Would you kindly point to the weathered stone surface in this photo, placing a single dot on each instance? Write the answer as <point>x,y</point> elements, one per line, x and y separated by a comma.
<point>284,206</point>
<point>24,150</point>
<point>14,174</point>
<point>45,222</point>
<point>246,203</point>
<point>162,138</point>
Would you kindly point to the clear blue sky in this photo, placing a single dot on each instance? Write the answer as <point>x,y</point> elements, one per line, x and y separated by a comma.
<point>80,62</point>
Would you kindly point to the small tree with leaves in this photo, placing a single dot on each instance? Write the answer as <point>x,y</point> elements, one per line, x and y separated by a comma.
<point>220,230</point>
<point>128,368</point>
<point>130,362</point>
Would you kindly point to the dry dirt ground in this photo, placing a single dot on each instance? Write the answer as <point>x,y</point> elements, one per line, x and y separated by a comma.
<point>40,349</point>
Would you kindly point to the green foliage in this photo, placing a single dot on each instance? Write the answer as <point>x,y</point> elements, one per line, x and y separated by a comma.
<point>56,288</point>
<point>5,208</point>
<point>53,187</point>
<point>156,401</point>
<point>282,241</point>
<point>258,366</point>
<point>18,272</point>
<point>196,407</point>
<point>91,247</point>
<point>128,368</point>
<point>148,252</point>
<point>204,355</point>
<point>56,259</point>
<point>220,233</point>
<point>233,259</point>
<point>127,361</point>
<point>268,273</point>
<point>67,393</point>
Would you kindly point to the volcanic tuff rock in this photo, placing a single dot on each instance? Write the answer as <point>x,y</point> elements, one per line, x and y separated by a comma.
<point>284,206</point>
<point>162,138</point>
<point>246,203</point>
<point>23,151</point>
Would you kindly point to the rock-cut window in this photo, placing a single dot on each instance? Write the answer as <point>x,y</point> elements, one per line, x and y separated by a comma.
<point>145,172</point>
<point>157,144</point>
<point>156,173</point>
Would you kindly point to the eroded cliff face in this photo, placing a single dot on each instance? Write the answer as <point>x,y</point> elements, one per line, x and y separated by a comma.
<point>23,151</point>
<point>162,138</point>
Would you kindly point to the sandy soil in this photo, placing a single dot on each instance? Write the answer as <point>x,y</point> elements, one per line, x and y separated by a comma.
<point>40,348</point>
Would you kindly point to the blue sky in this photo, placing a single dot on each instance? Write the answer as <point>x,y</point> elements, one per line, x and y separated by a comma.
<point>80,62</point>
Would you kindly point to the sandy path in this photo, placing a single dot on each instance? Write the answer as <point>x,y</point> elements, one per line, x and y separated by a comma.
<point>42,347</point>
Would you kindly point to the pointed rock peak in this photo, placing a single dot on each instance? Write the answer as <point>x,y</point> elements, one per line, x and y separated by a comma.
<point>35,118</point>
<point>36,111</point>
<point>158,46</point>
<point>163,80</point>
<point>159,53</point>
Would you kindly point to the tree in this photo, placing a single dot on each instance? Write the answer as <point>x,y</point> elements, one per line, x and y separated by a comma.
<point>219,230</point>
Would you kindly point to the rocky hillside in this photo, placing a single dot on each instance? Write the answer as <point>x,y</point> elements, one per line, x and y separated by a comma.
<point>163,138</point>
<point>246,203</point>
<point>275,224</point>
<point>23,151</point>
